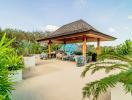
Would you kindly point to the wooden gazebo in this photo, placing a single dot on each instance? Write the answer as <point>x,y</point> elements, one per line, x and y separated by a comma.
<point>77,32</point>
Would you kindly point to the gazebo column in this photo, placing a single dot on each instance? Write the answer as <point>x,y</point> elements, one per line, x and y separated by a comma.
<point>98,46</point>
<point>84,46</point>
<point>64,44</point>
<point>64,41</point>
<point>49,48</point>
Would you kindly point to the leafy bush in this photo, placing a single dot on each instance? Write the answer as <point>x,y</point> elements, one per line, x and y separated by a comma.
<point>5,84</point>
<point>91,50</point>
<point>55,47</point>
<point>125,48</point>
<point>9,60</point>
<point>78,53</point>
<point>15,62</point>
<point>122,49</point>
<point>25,42</point>
<point>27,48</point>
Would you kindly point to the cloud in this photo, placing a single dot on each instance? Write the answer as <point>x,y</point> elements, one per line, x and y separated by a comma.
<point>130,17</point>
<point>50,28</point>
<point>111,30</point>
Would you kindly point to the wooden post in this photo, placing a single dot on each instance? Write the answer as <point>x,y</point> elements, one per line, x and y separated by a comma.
<point>98,46</point>
<point>84,46</point>
<point>64,44</point>
<point>64,41</point>
<point>49,48</point>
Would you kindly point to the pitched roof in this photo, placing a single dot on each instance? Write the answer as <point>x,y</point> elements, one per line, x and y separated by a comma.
<point>75,27</point>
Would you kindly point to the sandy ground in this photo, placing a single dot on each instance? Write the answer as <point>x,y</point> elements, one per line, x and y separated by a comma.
<point>54,80</point>
<point>45,67</point>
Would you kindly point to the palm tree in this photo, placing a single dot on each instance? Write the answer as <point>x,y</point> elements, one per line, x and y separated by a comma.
<point>95,88</point>
<point>119,58</point>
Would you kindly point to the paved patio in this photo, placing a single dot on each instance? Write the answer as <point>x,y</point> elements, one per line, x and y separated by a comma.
<point>54,80</point>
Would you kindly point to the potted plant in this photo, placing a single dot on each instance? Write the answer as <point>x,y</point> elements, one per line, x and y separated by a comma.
<point>15,66</point>
<point>26,49</point>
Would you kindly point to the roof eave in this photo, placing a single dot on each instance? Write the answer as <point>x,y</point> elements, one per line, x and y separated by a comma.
<point>111,38</point>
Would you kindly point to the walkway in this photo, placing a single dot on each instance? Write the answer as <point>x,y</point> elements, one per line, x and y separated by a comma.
<point>54,80</point>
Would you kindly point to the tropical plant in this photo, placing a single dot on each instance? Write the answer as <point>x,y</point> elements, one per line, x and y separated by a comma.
<point>122,49</point>
<point>15,62</point>
<point>111,58</point>
<point>25,48</point>
<point>28,40</point>
<point>125,48</point>
<point>21,35</point>
<point>77,52</point>
<point>91,50</point>
<point>36,48</point>
<point>95,88</point>
<point>55,47</point>
<point>5,84</point>
<point>107,49</point>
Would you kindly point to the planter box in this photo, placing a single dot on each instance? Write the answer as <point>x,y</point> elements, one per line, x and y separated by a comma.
<point>29,61</point>
<point>118,93</point>
<point>16,75</point>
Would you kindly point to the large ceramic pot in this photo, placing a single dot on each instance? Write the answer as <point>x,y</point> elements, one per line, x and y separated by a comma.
<point>29,61</point>
<point>15,75</point>
<point>118,93</point>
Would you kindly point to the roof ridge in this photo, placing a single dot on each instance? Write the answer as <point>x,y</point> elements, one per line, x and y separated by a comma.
<point>73,22</point>
<point>88,24</point>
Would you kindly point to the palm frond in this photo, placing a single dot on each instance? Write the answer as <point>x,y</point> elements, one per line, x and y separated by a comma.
<point>95,88</point>
<point>92,66</point>
<point>115,57</point>
<point>107,66</point>
<point>128,87</point>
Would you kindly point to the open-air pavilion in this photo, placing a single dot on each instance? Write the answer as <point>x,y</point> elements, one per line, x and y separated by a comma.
<point>77,32</point>
<point>55,79</point>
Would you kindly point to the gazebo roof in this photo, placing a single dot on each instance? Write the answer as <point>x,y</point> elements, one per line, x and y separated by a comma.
<point>74,32</point>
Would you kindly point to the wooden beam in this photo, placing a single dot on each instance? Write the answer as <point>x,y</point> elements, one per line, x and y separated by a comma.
<point>84,45</point>
<point>76,39</point>
<point>64,41</point>
<point>98,46</point>
<point>49,48</point>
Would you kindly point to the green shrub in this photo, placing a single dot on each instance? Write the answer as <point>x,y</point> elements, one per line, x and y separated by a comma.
<point>27,48</point>
<point>125,48</point>
<point>122,49</point>
<point>15,62</point>
<point>5,84</point>
<point>9,60</point>
<point>78,53</point>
